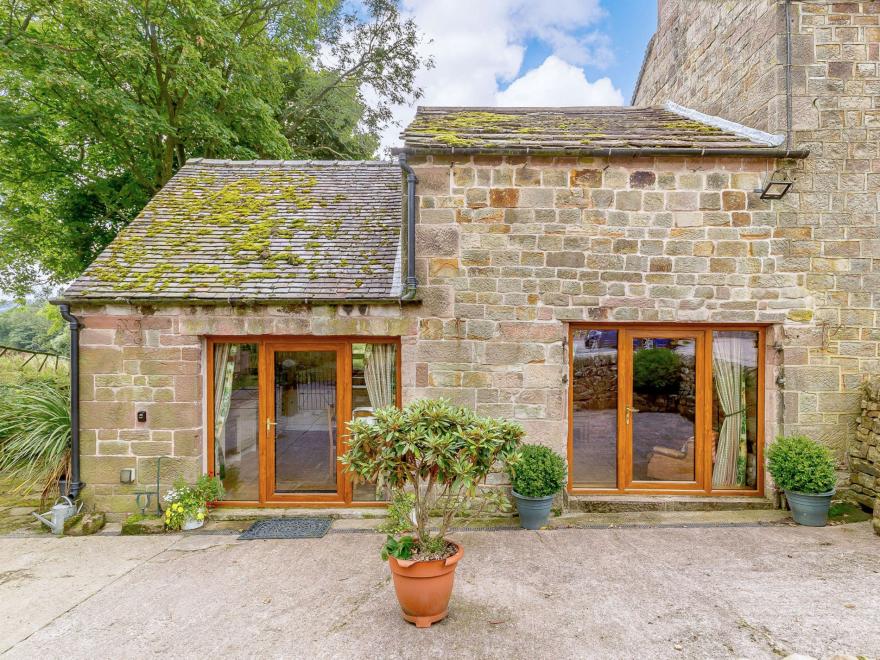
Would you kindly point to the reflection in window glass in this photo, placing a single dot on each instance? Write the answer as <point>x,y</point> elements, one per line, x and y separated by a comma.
<point>305,422</point>
<point>594,409</point>
<point>663,411</point>
<point>735,408</point>
<point>373,386</point>
<point>236,419</point>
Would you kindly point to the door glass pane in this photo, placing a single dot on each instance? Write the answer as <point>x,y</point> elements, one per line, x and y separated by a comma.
<point>735,409</point>
<point>236,418</point>
<point>373,385</point>
<point>594,409</point>
<point>305,418</point>
<point>664,402</point>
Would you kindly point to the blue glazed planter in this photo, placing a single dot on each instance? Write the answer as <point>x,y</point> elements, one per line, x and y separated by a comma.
<point>810,509</point>
<point>534,512</point>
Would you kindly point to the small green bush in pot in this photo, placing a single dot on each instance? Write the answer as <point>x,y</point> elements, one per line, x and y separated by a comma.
<point>805,470</point>
<point>536,477</point>
<point>440,454</point>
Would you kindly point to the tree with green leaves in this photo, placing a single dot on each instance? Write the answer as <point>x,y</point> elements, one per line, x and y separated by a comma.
<point>101,101</point>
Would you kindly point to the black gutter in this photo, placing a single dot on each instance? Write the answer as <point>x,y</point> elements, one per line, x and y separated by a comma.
<point>412,283</point>
<point>75,486</point>
<point>756,152</point>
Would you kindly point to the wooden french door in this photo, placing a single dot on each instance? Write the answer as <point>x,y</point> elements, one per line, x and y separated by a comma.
<point>663,404</point>
<point>278,410</point>
<point>306,388</point>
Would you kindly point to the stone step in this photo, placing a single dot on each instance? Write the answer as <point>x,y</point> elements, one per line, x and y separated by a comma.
<point>623,503</point>
<point>258,513</point>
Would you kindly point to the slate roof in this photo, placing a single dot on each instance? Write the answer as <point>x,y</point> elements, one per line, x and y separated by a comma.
<point>574,130</point>
<point>262,231</point>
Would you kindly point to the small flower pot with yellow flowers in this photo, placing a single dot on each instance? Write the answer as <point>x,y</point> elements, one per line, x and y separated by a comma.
<point>187,505</point>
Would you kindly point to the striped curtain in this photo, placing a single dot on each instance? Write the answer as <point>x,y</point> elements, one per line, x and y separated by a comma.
<point>380,374</point>
<point>224,370</point>
<point>728,371</point>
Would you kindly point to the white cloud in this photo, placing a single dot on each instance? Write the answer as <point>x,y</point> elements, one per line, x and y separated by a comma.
<point>478,48</point>
<point>557,82</point>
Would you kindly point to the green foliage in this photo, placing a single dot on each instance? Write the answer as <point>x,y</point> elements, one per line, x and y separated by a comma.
<point>186,501</point>
<point>801,464</point>
<point>101,101</point>
<point>398,518</point>
<point>401,548</point>
<point>34,327</point>
<point>539,472</point>
<point>656,370</point>
<point>35,435</point>
<point>440,451</point>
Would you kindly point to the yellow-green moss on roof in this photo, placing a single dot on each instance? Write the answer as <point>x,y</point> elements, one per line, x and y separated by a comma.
<point>564,130</point>
<point>262,230</point>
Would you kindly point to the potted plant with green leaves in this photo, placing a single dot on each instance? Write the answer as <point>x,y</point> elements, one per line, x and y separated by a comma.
<point>536,477</point>
<point>188,504</point>
<point>441,454</point>
<point>805,470</point>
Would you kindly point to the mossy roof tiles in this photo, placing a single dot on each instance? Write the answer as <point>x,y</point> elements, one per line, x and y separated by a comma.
<point>259,230</point>
<point>565,130</point>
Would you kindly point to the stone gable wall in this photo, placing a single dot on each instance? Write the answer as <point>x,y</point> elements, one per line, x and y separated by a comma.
<point>718,57</point>
<point>704,56</point>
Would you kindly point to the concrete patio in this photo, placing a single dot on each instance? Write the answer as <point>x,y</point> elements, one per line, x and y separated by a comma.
<point>672,592</point>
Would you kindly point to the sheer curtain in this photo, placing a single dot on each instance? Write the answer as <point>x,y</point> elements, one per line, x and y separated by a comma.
<point>224,369</point>
<point>380,374</point>
<point>729,375</point>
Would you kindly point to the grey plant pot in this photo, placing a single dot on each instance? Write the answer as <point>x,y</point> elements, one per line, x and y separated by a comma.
<point>534,512</point>
<point>810,509</point>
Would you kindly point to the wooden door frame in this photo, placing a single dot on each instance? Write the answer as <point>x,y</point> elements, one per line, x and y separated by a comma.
<point>625,332</point>
<point>266,344</point>
<point>625,398</point>
<point>343,396</point>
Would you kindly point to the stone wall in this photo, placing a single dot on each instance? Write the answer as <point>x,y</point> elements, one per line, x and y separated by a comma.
<point>718,57</point>
<point>152,359</point>
<point>865,450</point>
<point>728,59</point>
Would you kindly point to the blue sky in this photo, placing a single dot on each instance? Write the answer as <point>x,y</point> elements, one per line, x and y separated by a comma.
<point>629,25</point>
<point>528,52</point>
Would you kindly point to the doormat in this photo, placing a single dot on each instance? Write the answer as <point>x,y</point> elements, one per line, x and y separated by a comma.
<point>287,528</point>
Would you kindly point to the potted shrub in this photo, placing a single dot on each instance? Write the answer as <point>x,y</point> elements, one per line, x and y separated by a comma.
<point>536,478</point>
<point>188,505</point>
<point>441,453</point>
<point>804,469</point>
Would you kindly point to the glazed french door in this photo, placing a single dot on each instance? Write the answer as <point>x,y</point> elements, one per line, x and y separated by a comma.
<point>666,409</point>
<point>306,387</point>
<point>661,410</point>
<point>278,409</point>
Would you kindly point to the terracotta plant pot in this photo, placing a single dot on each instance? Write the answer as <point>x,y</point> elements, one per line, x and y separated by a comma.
<point>424,587</point>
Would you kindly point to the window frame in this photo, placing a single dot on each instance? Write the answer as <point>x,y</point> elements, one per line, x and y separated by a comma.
<point>265,344</point>
<point>625,333</point>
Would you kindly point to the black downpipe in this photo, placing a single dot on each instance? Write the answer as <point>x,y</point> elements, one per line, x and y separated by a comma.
<point>412,282</point>
<point>75,485</point>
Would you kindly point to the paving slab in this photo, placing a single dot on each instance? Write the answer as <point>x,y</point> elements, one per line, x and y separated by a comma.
<point>667,592</point>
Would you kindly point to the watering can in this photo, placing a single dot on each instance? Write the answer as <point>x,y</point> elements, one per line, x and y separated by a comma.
<point>63,509</point>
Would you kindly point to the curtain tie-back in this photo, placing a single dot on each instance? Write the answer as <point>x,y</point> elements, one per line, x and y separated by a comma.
<point>738,412</point>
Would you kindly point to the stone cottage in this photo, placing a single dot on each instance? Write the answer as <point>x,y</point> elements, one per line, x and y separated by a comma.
<point>640,287</point>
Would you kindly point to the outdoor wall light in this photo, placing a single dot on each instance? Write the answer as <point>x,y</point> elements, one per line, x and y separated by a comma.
<point>126,476</point>
<point>775,186</point>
